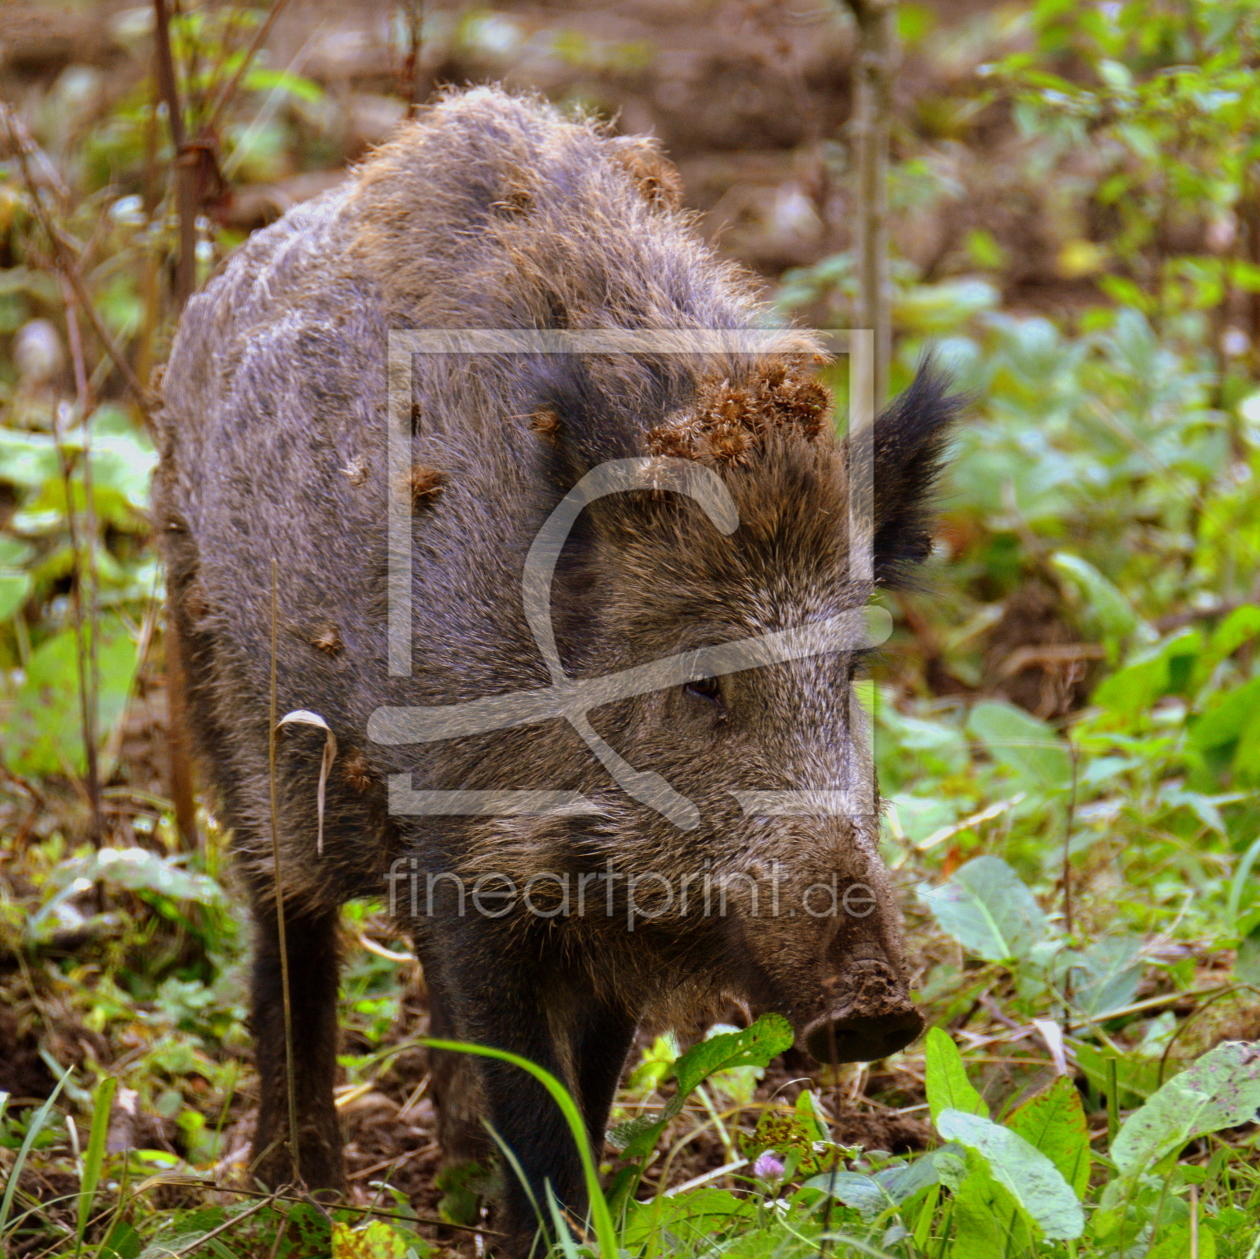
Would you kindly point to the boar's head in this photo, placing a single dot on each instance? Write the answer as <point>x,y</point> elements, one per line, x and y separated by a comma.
<point>778,869</point>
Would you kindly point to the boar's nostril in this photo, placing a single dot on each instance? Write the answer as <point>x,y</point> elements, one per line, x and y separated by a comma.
<point>862,1037</point>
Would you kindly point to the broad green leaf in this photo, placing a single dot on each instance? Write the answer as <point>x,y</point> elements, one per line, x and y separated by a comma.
<point>1108,607</point>
<point>702,1212</point>
<point>986,908</point>
<point>863,1193</point>
<point>947,1085</point>
<point>1241,625</point>
<point>891,1186</point>
<point>142,870</point>
<point>374,1240</point>
<point>1227,720</point>
<point>1054,1122</point>
<point>1024,745</point>
<point>1032,1180</point>
<point>1176,1243</point>
<point>28,460</point>
<point>987,1222</point>
<point>43,731</point>
<point>770,1035</point>
<point>1134,689</point>
<point>1221,1090</point>
<point>14,588</point>
<point>1104,976</point>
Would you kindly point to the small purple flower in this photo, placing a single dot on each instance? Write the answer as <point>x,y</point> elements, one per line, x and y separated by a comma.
<point>768,1166</point>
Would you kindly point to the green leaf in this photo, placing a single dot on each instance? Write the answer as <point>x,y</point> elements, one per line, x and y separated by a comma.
<point>1176,1243</point>
<point>1031,1179</point>
<point>1108,607</point>
<point>986,1223</point>
<point>1226,722</point>
<point>1221,1090</point>
<point>141,870</point>
<point>863,1193</point>
<point>1027,747</point>
<point>14,589</point>
<point>770,1035</point>
<point>891,1186</point>
<point>43,731</point>
<point>947,1085</point>
<point>1134,689</point>
<point>95,1155</point>
<point>700,1213</point>
<point>373,1240</point>
<point>1054,1122</point>
<point>988,910</point>
<point>1105,976</point>
<point>1239,627</point>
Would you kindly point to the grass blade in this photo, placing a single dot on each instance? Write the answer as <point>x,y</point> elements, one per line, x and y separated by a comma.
<point>95,1155</point>
<point>33,1129</point>
<point>601,1216</point>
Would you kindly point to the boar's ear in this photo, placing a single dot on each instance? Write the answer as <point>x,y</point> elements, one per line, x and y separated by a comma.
<point>909,443</point>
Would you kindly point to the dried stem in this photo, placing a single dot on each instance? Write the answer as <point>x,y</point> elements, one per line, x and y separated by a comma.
<point>87,705</point>
<point>229,90</point>
<point>279,883</point>
<point>183,169</point>
<point>874,72</point>
<point>67,256</point>
<point>90,680</point>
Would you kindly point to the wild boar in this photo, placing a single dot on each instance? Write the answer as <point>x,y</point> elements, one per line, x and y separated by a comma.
<point>565,873</point>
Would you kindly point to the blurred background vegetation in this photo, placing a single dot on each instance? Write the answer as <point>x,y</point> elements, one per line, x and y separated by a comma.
<point>1074,198</point>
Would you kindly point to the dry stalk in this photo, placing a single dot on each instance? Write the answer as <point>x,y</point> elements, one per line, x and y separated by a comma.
<point>278,883</point>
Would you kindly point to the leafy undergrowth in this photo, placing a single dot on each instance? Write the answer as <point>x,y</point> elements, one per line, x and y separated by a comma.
<point>1067,719</point>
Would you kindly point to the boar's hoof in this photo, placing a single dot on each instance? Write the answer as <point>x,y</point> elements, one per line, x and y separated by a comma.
<point>861,1037</point>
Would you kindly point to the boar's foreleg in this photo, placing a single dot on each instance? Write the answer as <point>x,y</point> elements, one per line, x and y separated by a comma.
<point>311,940</point>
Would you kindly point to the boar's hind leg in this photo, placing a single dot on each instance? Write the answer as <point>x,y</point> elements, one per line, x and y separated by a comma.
<point>311,939</point>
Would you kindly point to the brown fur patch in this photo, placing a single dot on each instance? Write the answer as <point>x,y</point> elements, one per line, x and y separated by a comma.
<point>728,420</point>
<point>654,174</point>
<point>544,423</point>
<point>327,639</point>
<point>356,771</point>
<point>356,470</point>
<point>425,484</point>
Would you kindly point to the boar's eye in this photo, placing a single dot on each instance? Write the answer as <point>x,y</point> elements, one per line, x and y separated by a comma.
<point>709,689</point>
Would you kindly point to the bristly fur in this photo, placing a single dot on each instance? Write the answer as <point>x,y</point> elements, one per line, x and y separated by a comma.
<point>910,445</point>
<point>495,211</point>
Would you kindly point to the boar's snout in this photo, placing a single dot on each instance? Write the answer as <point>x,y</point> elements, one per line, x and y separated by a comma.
<point>874,1017</point>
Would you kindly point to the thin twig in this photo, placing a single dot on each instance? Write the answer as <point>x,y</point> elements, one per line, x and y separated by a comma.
<point>185,210</point>
<point>87,712</point>
<point>223,1228</point>
<point>93,673</point>
<point>225,96</point>
<point>68,257</point>
<point>281,1196</point>
<point>278,881</point>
